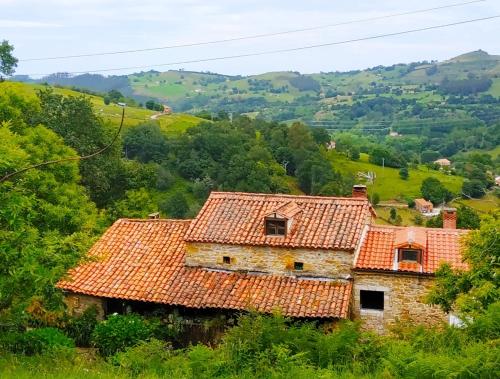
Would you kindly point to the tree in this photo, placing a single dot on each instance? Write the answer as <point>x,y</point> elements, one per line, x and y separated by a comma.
<point>473,188</point>
<point>107,100</point>
<point>375,198</point>
<point>393,214</point>
<point>146,143</point>
<point>467,218</point>
<point>403,173</point>
<point>176,206</point>
<point>7,61</point>
<point>471,292</point>
<point>433,190</point>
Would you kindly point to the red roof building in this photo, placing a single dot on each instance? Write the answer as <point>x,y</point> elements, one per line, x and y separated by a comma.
<point>305,256</point>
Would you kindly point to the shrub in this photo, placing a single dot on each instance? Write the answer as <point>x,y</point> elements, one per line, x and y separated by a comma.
<point>36,341</point>
<point>145,356</point>
<point>81,328</point>
<point>121,331</point>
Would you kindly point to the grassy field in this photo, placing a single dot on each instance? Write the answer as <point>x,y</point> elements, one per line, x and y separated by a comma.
<point>485,205</point>
<point>388,184</point>
<point>172,124</point>
<point>407,216</point>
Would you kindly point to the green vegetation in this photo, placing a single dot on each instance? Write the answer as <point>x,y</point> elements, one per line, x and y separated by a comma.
<point>271,346</point>
<point>388,183</point>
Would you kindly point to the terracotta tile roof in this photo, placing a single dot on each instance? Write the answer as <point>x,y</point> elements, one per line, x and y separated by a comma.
<point>317,222</point>
<point>144,260</point>
<point>377,251</point>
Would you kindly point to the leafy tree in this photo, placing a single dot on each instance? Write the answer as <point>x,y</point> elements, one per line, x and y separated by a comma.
<point>46,220</point>
<point>7,61</point>
<point>403,173</point>
<point>393,214</point>
<point>375,198</point>
<point>320,135</point>
<point>467,218</point>
<point>471,292</point>
<point>473,188</point>
<point>418,219</point>
<point>433,190</point>
<point>106,100</point>
<point>145,142</point>
<point>176,206</point>
<point>73,118</point>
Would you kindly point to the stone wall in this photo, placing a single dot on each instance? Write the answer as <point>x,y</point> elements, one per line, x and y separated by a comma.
<point>325,263</point>
<point>78,303</point>
<point>403,300</point>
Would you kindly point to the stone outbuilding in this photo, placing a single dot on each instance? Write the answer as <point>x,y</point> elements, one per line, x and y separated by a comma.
<point>309,257</point>
<point>423,206</point>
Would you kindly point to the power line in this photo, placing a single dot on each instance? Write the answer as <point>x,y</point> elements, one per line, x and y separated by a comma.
<point>255,36</point>
<point>282,50</point>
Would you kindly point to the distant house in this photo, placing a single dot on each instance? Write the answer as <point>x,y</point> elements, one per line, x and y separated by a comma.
<point>331,145</point>
<point>423,206</point>
<point>443,162</point>
<point>497,180</point>
<point>394,134</point>
<point>166,109</point>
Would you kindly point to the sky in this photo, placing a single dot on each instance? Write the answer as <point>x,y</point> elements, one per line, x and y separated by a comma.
<point>47,28</point>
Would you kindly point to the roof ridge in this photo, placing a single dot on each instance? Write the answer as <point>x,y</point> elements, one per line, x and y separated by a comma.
<point>153,220</point>
<point>286,195</point>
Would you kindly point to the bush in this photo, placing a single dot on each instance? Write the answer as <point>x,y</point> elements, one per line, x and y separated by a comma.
<point>146,356</point>
<point>81,328</point>
<point>36,341</point>
<point>121,331</point>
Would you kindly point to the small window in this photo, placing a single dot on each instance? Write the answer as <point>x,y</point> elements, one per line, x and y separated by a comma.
<point>298,266</point>
<point>275,227</point>
<point>409,255</point>
<point>226,260</point>
<point>372,300</point>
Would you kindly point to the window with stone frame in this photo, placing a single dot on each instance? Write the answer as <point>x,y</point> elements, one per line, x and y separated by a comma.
<point>275,227</point>
<point>226,260</point>
<point>410,255</point>
<point>372,300</point>
<point>298,266</point>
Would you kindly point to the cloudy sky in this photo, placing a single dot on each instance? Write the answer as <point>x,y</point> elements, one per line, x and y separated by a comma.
<point>69,27</point>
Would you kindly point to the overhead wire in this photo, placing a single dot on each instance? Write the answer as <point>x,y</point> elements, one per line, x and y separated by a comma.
<point>269,52</point>
<point>255,36</point>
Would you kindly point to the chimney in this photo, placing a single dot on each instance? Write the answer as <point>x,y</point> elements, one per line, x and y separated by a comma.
<point>449,218</point>
<point>359,190</point>
<point>154,216</point>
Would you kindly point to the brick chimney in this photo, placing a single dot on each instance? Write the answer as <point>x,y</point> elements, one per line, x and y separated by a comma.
<point>449,218</point>
<point>359,190</point>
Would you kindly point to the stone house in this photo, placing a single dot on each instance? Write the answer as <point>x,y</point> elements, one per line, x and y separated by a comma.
<point>309,257</point>
<point>443,162</point>
<point>423,206</point>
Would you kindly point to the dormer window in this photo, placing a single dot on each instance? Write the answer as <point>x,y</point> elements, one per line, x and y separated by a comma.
<point>275,227</point>
<point>410,255</point>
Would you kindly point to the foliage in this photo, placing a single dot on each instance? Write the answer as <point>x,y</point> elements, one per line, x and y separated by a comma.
<point>74,120</point>
<point>7,61</point>
<point>36,341</point>
<point>121,331</point>
<point>145,142</point>
<point>375,199</point>
<point>471,292</point>
<point>80,328</point>
<point>403,173</point>
<point>176,206</point>
<point>46,219</point>
<point>473,188</point>
<point>433,190</point>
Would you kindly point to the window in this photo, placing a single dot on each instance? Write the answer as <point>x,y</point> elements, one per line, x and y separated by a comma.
<point>226,260</point>
<point>298,266</point>
<point>409,255</point>
<point>372,300</point>
<point>275,227</point>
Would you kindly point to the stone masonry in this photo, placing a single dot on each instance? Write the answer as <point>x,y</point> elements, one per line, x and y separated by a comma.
<point>78,303</point>
<point>319,263</point>
<point>404,299</point>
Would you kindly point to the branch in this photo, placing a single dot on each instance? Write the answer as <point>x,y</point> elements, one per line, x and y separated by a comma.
<point>78,158</point>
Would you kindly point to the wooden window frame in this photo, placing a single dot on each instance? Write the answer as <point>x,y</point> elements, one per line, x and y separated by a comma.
<point>401,254</point>
<point>274,229</point>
